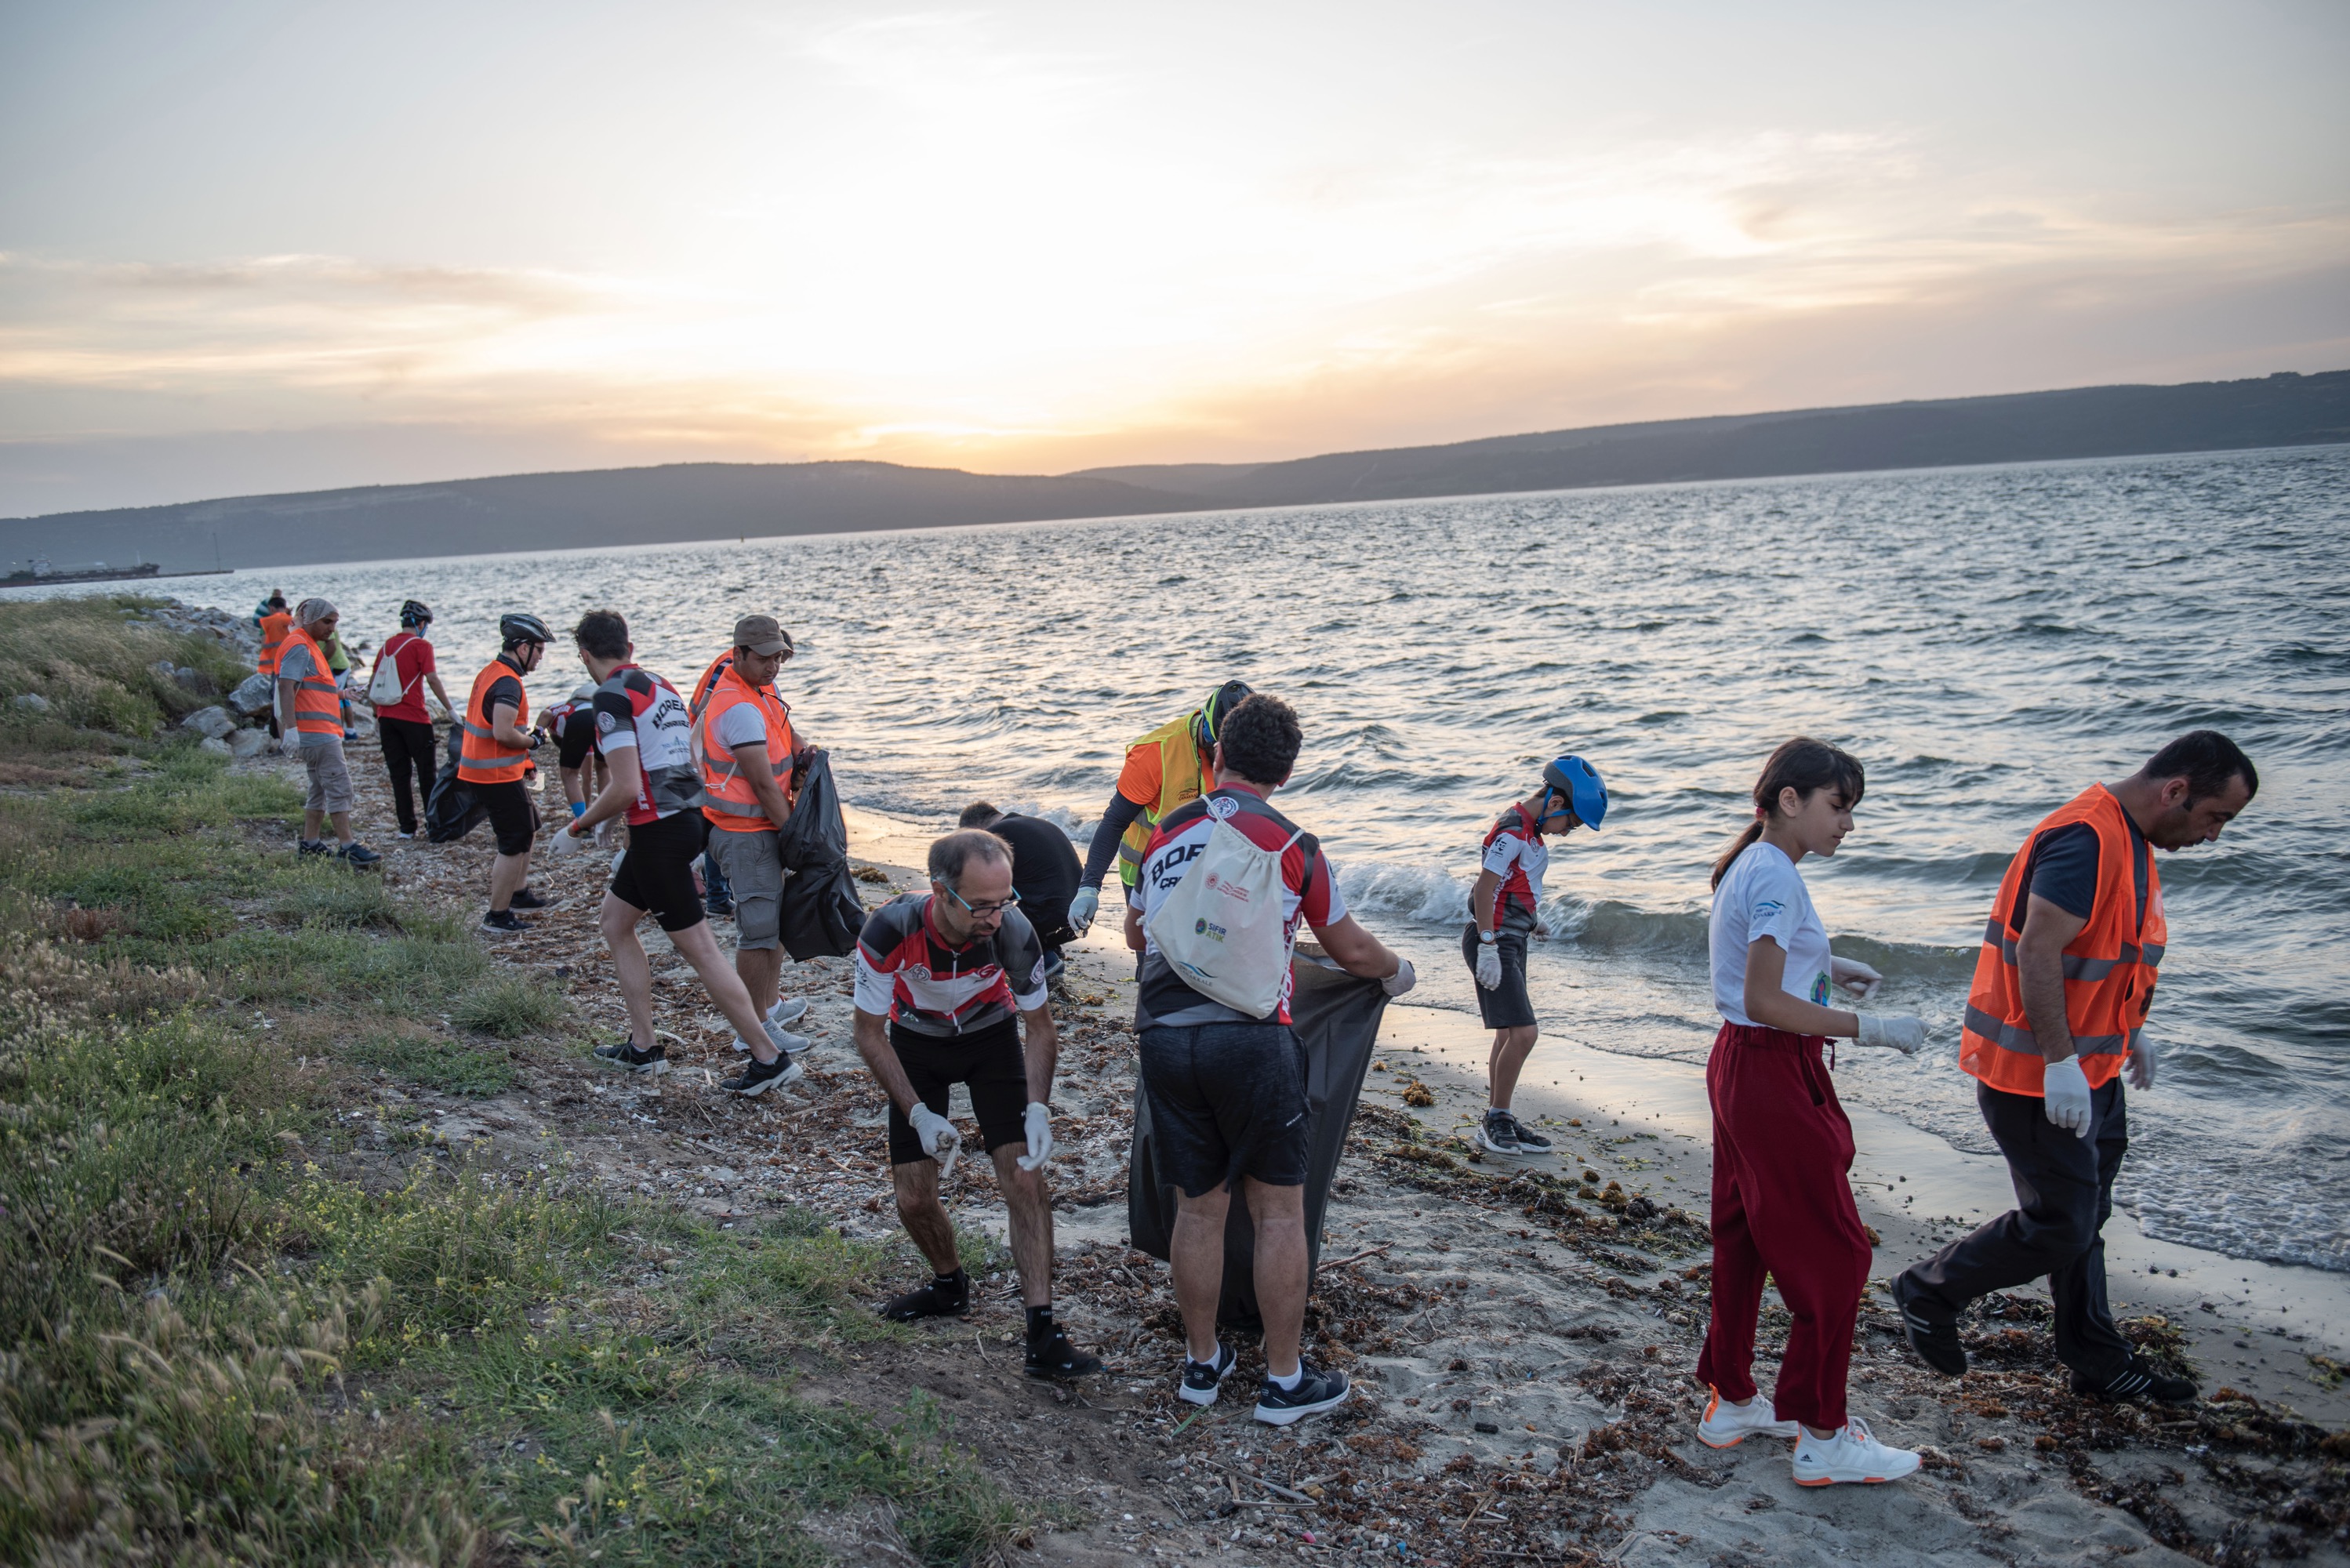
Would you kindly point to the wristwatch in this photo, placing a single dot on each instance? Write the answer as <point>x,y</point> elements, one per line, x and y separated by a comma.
<point>1489,937</point>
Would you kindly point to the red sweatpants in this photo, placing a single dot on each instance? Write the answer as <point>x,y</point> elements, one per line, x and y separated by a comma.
<point>1781,1203</point>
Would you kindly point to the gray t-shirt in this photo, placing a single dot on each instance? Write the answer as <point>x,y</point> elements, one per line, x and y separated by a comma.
<point>296,666</point>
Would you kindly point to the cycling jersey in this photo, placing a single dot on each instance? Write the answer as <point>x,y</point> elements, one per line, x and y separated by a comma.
<point>1310,892</point>
<point>638,708</point>
<point>1514,852</point>
<point>907,972</point>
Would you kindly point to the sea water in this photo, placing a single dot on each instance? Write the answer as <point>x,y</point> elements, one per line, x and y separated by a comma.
<point>1988,641</point>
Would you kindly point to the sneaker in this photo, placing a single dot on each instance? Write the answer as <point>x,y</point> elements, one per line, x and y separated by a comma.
<point>787,1009</point>
<point>1532,1142</point>
<point>758,1078</point>
<point>504,920</point>
<point>1937,1343</point>
<point>1050,1355</point>
<point>310,846</point>
<point>719,909</point>
<point>1499,1133</point>
<point>525,898</point>
<point>1725,1425</point>
<point>358,855</point>
<point>1202,1379</point>
<point>1317,1391</point>
<point>625,1053</point>
<point>404,836</point>
<point>2138,1380</point>
<point>944,1296</point>
<point>1852,1454</point>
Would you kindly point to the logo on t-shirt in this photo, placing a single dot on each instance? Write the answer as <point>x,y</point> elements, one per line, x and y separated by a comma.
<point>606,724</point>
<point>1222,807</point>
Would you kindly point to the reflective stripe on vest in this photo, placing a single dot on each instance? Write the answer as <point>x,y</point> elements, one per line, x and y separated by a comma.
<point>482,757</point>
<point>317,702</point>
<point>1182,777</point>
<point>709,682</point>
<point>274,628</point>
<point>2109,968</point>
<point>729,802</point>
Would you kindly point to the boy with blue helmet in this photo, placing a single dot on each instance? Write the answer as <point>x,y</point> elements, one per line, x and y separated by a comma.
<point>1505,907</point>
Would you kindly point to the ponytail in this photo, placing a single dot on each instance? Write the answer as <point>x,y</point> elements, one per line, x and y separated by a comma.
<point>1804,765</point>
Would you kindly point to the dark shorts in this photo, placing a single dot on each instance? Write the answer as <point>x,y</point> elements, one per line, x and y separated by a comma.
<point>508,805</point>
<point>1507,1005</point>
<point>656,872</point>
<point>989,1060</point>
<point>1227,1100</point>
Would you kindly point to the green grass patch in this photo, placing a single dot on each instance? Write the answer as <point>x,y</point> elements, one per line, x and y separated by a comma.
<point>465,1068</point>
<point>510,1006</point>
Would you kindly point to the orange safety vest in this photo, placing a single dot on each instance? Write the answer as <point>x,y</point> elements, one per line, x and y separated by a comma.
<point>728,799</point>
<point>317,700</point>
<point>2109,968</point>
<point>709,681</point>
<point>1183,775</point>
<point>274,628</point>
<point>482,757</point>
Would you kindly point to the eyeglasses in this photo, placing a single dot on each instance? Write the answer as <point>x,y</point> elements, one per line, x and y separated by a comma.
<point>970,908</point>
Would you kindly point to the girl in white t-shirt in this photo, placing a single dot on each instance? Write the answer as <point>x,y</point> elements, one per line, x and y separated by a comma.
<point>1782,1146</point>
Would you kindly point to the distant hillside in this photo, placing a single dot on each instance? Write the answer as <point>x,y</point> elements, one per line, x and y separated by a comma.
<point>2283,410</point>
<point>717,501</point>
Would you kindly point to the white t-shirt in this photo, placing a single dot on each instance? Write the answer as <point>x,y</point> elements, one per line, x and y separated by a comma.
<point>1763,896</point>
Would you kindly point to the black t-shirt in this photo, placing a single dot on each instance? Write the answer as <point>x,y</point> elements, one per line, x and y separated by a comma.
<point>1044,872</point>
<point>575,737</point>
<point>2064,869</point>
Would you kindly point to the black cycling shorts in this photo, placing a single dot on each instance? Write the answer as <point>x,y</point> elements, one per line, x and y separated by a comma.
<point>989,1060</point>
<point>1227,1100</point>
<point>656,872</point>
<point>511,817</point>
<point>1507,1005</point>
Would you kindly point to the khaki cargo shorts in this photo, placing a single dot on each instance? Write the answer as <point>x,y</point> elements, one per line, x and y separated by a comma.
<point>330,777</point>
<point>754,874</point>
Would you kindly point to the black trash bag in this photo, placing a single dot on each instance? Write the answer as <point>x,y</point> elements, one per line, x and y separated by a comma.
<point>1336,1018</point>
<point>451,809</point>
<point>820,914</point>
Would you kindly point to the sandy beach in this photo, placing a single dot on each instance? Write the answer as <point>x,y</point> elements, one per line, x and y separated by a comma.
<point>1522,1335</point>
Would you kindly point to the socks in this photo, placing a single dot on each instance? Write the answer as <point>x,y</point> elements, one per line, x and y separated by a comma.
<point>1289,1383</point>
<point>1040,1322</point>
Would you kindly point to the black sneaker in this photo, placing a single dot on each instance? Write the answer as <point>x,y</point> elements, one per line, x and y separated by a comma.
<point>1050,1355</point>
<point>1937,1343</point>
<point>360,857</point>
<point>504,920</point>
<point>1529,1142</point>
<point>525,898</point>
<point>758,1078</point>
<point>944,1296</point>
<point>1499,1133</point>
<point>2138,1380</point>
<point>625,1053</point>
<point>1317,1391</point>
<point>719,909</point>
<point>1202,1379</point>
<point>310,846</point>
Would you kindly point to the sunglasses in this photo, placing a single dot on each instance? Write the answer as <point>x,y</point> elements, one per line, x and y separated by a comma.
<point>971,908</point>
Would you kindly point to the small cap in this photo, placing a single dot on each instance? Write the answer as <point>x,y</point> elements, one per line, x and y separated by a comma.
<point>761,635</point>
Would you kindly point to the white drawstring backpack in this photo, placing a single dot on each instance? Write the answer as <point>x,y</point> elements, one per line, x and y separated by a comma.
<point>385,687</point>
<point>1223,928</point>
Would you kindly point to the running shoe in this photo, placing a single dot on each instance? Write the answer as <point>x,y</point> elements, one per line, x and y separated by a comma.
<point>758,1078</point>
<point>504,920</point>
<point>1725,1425</point>
<point>525,898</point>
<point>358,855</point>
<point>1499,1133</point>
<point>1529,1140</point>
<point>2138,1380</point>
<point>719,909</point>
<point>1852,1454</point>
<point>1936,1343</point>
<point>1202,1379</point>
<point>787,1009</point>
<point>310,846</point>
<point>404,836</point>
<point>1051,1355</point>
<point>1317,1391</point>
<point>625,1053</point>
<point>947,1295</point>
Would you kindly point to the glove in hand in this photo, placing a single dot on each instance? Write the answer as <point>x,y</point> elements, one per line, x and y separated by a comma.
<point>1489,966</point>
<point>2065,1095</point>
<point>1899,1032</point>
<point>563,842</point>
<point>1403,979</point>
<point>940,1139</point>
<point>1039,1118</point>
<point>1082,910</point>
<point>2144,1058</point>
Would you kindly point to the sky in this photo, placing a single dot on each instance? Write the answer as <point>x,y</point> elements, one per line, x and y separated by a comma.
<point>253,246</point>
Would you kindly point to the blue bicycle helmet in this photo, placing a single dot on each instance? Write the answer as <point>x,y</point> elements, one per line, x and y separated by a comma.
<point>1579,782</point>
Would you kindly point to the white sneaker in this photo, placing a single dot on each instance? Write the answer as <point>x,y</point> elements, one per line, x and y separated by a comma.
<point>1852,1454</point>
<point>1725,1425</point>
<point>789,1043</point>
<point>787,1009</point>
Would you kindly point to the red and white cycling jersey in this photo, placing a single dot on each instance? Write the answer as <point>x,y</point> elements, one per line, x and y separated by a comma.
<point>1515,853</point>
<point>636,709</point>
<point>907,972</point>
<point>1309,892</point>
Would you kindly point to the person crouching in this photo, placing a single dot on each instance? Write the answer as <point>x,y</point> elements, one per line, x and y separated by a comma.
<point>941,977</point>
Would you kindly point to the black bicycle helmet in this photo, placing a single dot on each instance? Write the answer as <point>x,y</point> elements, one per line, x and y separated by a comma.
<point>1221,701</point>
<point>415,612</point>
<point>518,628</point>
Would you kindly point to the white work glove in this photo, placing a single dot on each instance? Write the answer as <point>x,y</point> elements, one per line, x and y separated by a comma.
<point>1082,910</point>
<point>1403,979</point>
<point>1899,1032</point>
<point>1854,976</point>
<point>1040,1136</point>
<point>939,1140</point>
<point>2144,1057</point>
<point>1489,966</point>
<point>563,842</point>
<point>2064,1090</point>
